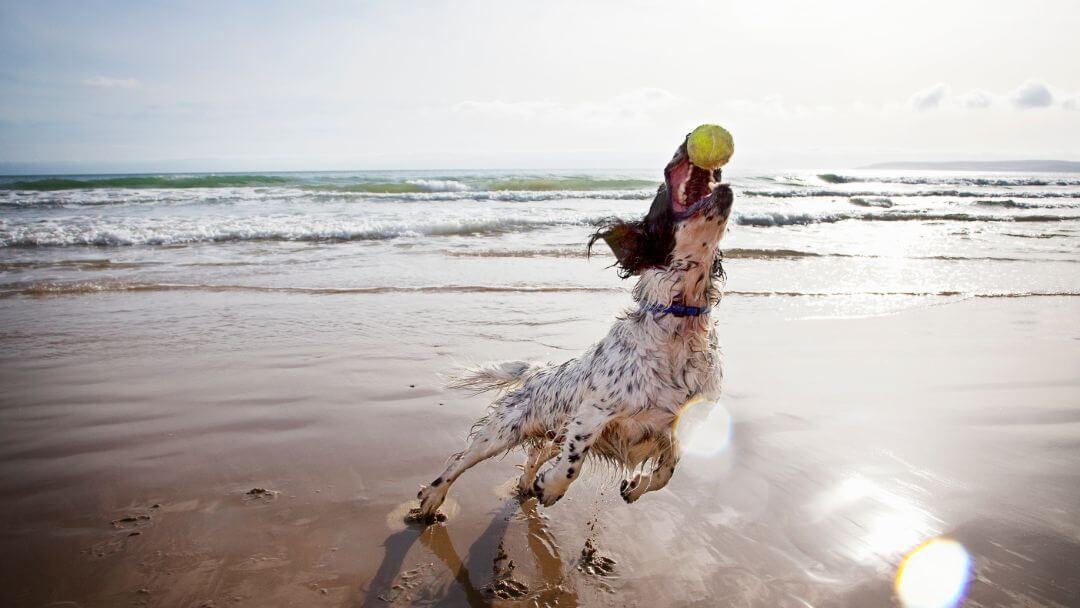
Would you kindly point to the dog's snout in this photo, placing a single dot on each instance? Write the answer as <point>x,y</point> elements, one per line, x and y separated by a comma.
<point>725,197</point>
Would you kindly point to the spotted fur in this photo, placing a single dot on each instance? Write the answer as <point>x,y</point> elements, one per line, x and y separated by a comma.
<point>618,401</point>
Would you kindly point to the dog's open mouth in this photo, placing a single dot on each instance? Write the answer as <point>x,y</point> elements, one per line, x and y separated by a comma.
<point>689,186</point>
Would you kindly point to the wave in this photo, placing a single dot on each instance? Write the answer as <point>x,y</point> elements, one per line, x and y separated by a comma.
<point>75,288</point>
<point>871,201</point>
<point>583,184</point>
<point>781,218</point>
<point>62,288</point>
<point>408,193</point>
<point>266,229</point>
<point>818,192</point>
<point>735,253</point>
<point>318,183</point>
<point>407,187</point>
<point>146,181</point>
<point>512,196</point>
<point>439,185</point>
<point>81,265</point>
<point>524,253</point>
<point>729,254</point>
<point>832,178</point>
<point>1007,203</point>
<point>94,231</point>
<point>916,294</point>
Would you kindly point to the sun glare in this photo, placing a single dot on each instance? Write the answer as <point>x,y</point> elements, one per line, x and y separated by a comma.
<point>934,575</point>
<point>704,428</point>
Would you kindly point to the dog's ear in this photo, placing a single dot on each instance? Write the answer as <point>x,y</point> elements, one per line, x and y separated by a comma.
<point>638,245</point>
<point>625,241</point>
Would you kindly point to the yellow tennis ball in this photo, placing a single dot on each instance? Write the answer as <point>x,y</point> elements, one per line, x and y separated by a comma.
<point>710,146</point>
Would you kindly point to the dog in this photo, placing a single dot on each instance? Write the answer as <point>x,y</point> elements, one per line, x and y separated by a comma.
<point>620,400</point>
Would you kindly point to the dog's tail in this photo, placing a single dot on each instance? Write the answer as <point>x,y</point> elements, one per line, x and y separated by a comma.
<point>491,376</point>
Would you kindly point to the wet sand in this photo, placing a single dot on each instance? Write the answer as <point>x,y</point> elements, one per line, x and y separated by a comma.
<point>134,426</point>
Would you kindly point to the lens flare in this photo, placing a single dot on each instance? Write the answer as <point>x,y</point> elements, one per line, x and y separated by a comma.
<point>703,428</point>
<point>934,575</point>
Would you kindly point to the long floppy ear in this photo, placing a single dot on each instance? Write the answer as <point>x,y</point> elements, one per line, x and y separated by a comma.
<point>640,244</point>
<point>625,241</point>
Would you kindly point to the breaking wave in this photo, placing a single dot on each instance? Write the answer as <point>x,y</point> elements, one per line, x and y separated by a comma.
<point>871,201</point>
<point>317,182</point>
<point>408,193</point>
<point>818,192</point>
<point>122,231</point>
<point>147,181</point>
<point>148,232</point>
<point>570,183</point>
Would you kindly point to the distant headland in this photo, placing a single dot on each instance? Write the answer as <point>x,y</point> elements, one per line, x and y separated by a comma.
<point>1052,166</point>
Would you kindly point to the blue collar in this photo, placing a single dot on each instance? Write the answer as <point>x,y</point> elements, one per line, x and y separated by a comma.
<point>677,310</point>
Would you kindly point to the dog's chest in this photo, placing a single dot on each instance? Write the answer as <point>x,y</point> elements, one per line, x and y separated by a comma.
<point>645,370</point>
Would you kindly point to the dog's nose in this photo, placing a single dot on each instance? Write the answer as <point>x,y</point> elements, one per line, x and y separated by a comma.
<point>724,196</point>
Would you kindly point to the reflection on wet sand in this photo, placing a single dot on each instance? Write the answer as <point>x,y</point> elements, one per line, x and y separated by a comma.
<point>394,587</point>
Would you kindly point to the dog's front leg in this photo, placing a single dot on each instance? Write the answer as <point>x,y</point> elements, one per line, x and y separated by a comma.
<point>581,432</point>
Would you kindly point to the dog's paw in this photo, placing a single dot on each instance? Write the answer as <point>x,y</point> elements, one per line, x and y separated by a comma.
<point>632,489</point>
<point>525,489</point>
<point>431,498</point>
<point>548,499</point>
<point>546,496</point>
<point>418,516</point>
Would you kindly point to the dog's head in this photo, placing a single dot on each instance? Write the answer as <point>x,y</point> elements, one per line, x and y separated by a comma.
<point>685,223</point>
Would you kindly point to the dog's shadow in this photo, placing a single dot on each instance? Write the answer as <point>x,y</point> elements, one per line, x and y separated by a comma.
<point>482,555</point>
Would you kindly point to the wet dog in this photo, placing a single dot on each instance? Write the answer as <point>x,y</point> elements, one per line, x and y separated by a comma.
<point>619,400</point>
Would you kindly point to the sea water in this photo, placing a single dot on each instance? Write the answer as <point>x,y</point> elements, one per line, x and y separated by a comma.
<point>844,243</point>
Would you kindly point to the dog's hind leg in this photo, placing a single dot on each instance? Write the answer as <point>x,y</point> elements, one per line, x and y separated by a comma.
<point>580,433</point>
<point>632,489</point>
<point>496,436</point>
<point>538,455</point>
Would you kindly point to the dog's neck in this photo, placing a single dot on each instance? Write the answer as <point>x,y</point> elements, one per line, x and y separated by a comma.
<point>688,283</point>
<point>689,342</point>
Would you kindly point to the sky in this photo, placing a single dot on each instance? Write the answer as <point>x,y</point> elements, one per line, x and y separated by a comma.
<point>154,85</point>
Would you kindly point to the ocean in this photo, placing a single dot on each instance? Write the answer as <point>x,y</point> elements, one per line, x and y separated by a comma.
<point>844,243</point>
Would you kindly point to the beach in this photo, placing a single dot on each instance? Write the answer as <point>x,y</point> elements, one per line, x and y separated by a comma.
<point>228,394</point>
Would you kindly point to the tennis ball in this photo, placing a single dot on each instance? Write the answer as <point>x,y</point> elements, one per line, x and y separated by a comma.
<point>710,146</point>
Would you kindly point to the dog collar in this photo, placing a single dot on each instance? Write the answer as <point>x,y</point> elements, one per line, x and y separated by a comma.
<point>677,310</point>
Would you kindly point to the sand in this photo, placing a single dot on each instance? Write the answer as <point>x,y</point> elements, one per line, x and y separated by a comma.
<point>219,449</point>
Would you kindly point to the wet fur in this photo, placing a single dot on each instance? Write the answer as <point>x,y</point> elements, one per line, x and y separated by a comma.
<point>619,400</point>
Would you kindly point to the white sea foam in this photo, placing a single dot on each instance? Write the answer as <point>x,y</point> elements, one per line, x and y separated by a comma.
<point>93,228</point>
<point>141,231</point>
<point>782,218</point>
<point>439,185</point>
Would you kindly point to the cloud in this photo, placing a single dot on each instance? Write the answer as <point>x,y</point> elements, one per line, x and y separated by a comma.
<point>977,99</point>
<point>1032,94</point>
<point>929,99</point>
<point>632,106</point>
<point>105,82</point>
